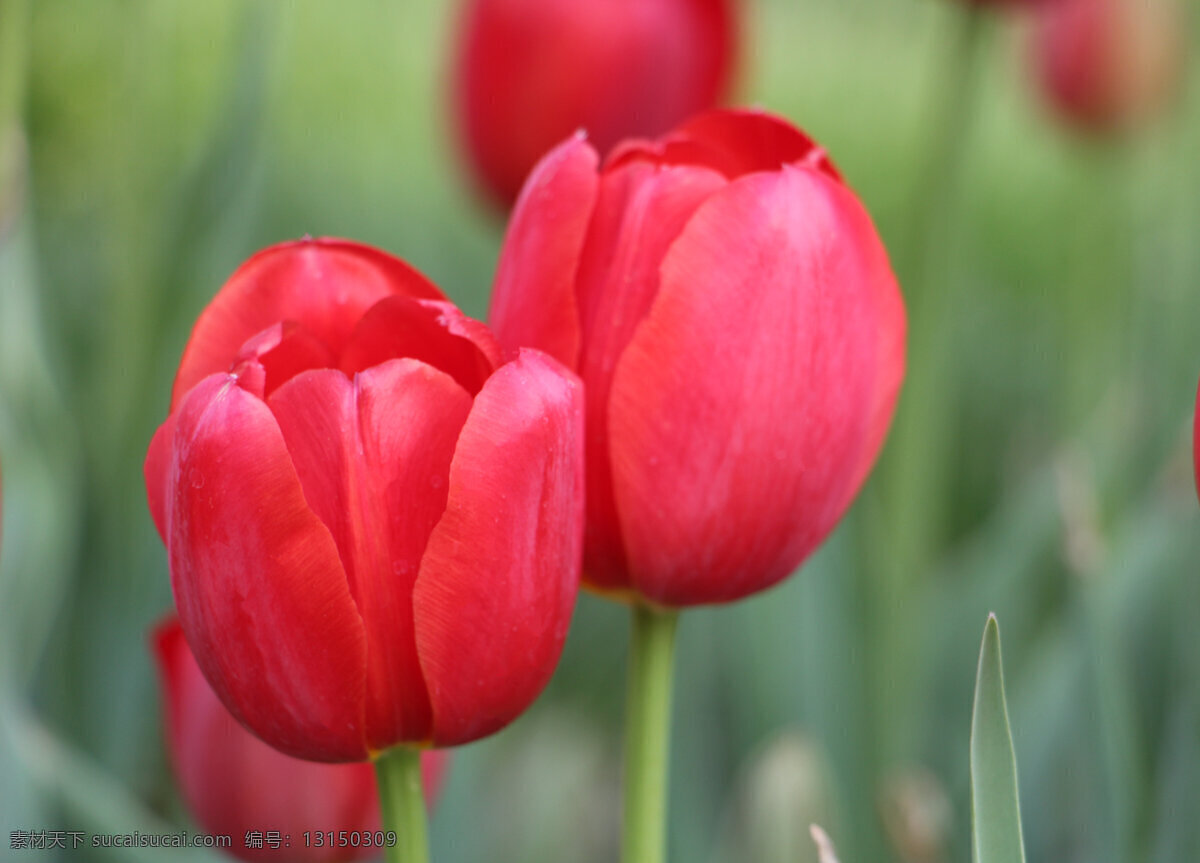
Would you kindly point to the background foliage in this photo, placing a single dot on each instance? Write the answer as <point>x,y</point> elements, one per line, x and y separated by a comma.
<point>1040,467</point>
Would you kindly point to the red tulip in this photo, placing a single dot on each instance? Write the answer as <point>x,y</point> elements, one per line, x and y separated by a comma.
<point>234,783</point>
<point>728,303</point>
<point>1105,65</point>
<point>373,525</point>
<point>530,72</point>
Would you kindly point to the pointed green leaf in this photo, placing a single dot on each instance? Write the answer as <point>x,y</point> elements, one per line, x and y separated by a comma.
<point>995,810</point>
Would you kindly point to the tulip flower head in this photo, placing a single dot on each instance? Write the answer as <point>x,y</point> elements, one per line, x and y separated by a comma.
<point>372,521</point>
<point>1108,65</point>
<point>530,72</point>
<point>235,784</point>
<point>731,309</point>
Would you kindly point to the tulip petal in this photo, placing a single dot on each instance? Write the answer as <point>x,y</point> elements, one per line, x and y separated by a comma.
<point>640,212</point>
<point>751,401</point>
<point>283,351</point>
<point>260,590</point>
<point>732,141</point>
<point>292,282</point>
<point>434,332</point>
<point>156,469</point>
<point>1196,441</point>
<point>177,673</point>
<point>373,456</point>
<point>533,297</point>
<point>476,332</point>
<point>500,574</point>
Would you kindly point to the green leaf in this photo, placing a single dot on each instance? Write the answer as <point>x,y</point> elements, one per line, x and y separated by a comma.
<point>995,809</point>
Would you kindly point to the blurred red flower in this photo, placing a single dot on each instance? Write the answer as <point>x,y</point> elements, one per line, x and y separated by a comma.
<point>233,783</point>
<point>372,523</point>
<point>1106,65</point>
<point>530,72</point>
<point>1196,442</point>
<point>731,309</point>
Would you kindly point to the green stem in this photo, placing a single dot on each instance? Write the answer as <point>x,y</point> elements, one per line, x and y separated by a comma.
<point>647,734</point>
<point>402,800</point>
<point>922,429</point>
<point>910,535</point>
<point>14,63</point>
<point>14,57</point>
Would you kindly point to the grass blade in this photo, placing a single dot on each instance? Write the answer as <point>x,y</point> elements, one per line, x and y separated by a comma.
<point>995,810</point>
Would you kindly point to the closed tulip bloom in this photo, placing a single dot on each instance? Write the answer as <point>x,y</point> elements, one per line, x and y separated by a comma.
<point>728,303</point>
<point>1108,65</point>
<point>372,521</point>
<point>530,72</point>
<point>233,783</point>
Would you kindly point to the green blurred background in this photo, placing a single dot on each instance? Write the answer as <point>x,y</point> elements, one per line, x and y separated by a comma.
<point>1040,466</point>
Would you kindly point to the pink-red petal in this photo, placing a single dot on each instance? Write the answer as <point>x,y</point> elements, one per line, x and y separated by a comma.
<point>747,406</point>
<point>476,332</point>
<point>732,141</point>
<point>1196,442</point>
<point>373,456</point>
<point>260,589</point>
<point>156,470</point>
<point>499,578</point>
<point>283,350</point>
<point>322,285</point>
<point>533,297</point>
<point>434,332</point>
<point>640,211</point>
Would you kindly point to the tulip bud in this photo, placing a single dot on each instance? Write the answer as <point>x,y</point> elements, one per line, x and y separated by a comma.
<point>727,301</point>
<point>1108,65</point>
<point>373,523</point>
<point>236,785</point>
<point>530,72</point>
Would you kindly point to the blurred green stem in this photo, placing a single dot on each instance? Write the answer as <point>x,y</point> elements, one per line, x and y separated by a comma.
<point>647,734</point>
<point>14,50</point>
<point>402,801</point>
<point>14,56</point>
<point>913,525</point>
<point>1124,785</point>
<point>922,424</point>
